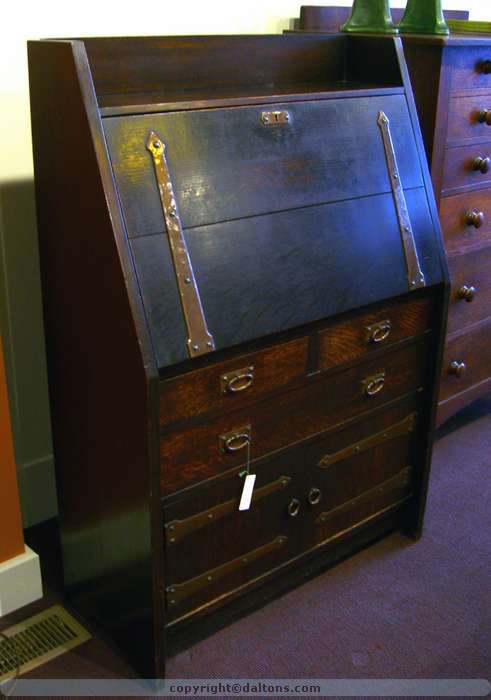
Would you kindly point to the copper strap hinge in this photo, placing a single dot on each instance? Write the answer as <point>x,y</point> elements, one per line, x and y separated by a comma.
<point>175,530</point>
<point>178,592</point>
<point>402,428</point>
<point>415,275</point>
<point>200,340</point>
<point>393,484</point>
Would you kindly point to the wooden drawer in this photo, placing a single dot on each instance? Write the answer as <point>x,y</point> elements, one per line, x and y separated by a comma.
<point>460,215</point>
<point>459,172</point>
<point>468,118</point>
<point>299,501</point>
<point>229,385</point>
<point>348,340</point>
<point>203,451</point>
<point>470,299</point>
<point>472,352</point>
<point>471,68</point>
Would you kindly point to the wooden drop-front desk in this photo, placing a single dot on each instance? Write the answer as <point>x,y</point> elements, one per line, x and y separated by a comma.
<point>240,258</point>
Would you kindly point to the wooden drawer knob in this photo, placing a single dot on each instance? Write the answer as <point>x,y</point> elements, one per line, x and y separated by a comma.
<point>484,116</point>
<point>467,293</point>
<point>475,218</point>
<point>457,368</point>
<point>481,164</point>
<point>485,67</point>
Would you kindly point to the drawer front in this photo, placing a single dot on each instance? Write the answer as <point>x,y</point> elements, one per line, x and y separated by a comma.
<point>470,299</point>
<point>471,68</point>
<point>466,220</point>
<point>206,450</point>
<point>467,361</point>
<point>467,166</point>
<point>212,548</point>
<point>469,118</point>
<point>348,340</point>
<point>229,385</point>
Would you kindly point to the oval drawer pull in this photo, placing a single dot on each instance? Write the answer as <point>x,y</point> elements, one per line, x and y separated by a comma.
<point>236,440</point>
<point>293,508</point>
<point>379,331</point>
<point>314,496</point>
<point>475,218</point>
<point>457,368</point>
<point>238,381</point>
<point>484,116</point>
<point>372,386</point>
<point>481,164</point>
<point>467,293</point>
<point>485,67</point>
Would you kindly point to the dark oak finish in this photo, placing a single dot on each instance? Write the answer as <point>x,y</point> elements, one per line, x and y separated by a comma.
<point>452,87</point>
<point>102,376</point>
<point>320,347</point>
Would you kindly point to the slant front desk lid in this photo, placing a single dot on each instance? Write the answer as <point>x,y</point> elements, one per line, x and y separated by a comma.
<point>247,221</point>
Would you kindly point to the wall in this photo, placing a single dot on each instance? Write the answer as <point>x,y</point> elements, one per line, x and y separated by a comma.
<point>20,309</point>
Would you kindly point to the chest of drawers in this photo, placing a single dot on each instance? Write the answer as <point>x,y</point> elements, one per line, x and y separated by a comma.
<point>242,271</point>
<point>452,85</point>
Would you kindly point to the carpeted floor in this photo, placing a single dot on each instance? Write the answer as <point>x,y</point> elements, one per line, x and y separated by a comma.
<point>396,610</point>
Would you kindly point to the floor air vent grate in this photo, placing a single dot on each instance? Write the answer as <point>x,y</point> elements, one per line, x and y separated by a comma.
<point>38,639</point>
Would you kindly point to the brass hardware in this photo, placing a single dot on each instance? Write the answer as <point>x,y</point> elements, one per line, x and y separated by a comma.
<point>396,482</point>
<point>274,118</point>
<point>238,381</point>
<point>235,440</point>
<point>379,332</point>
<point>485,67</point>
<point>457,368</point>
<point>200,340</point>
<point>373,385</point>
<point>481,164</point>
<point>404,427</point>
<point>415,275</point>
<point>467,293</point>
<point>475,218</point>
<point>484,116</point>
<point>293,508</point>
<point>178,592</point>
<point>175,530</point>
<point>314,496</point>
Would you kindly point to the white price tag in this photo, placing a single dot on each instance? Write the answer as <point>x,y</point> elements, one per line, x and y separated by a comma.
<point>245,499</point>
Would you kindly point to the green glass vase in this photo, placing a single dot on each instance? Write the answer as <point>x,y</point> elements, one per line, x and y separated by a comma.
<point>370,16</point>
<point>424,17</point>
